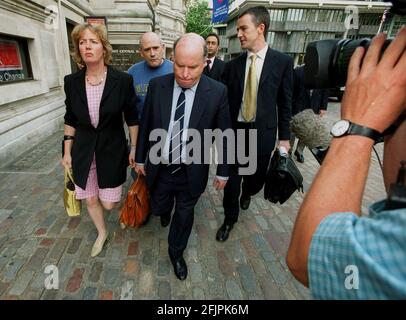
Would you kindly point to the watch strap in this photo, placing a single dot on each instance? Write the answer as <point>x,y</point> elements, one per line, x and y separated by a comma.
<point>358,130</point>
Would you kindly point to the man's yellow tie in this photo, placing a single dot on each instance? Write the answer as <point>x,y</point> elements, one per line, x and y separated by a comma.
<point>250,94</point>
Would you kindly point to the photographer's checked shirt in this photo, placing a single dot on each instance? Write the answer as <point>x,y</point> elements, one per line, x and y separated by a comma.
<point>355,257</point>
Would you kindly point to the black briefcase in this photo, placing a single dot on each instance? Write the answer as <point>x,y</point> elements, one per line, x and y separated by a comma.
<point>282,179</point>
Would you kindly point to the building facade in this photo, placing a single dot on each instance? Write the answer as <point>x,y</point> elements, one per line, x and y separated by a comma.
<point>34,56</point>
<point>295,23</point>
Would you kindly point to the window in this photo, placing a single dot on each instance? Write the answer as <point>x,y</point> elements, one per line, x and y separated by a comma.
<point>14,60</point>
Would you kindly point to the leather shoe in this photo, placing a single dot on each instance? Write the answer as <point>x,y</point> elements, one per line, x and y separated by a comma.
<point>165,220</point>
<point>180,268</point>
<point>245,202</point>
<point>299,157</point>
<point>98,247</point>
<point>224,232</point>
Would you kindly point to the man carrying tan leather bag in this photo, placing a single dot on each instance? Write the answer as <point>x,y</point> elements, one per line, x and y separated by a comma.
<point>135,210</point>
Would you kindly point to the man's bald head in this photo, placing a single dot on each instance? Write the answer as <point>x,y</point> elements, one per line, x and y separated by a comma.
<point>189,54</point>
<point>192,41</point>
<point>152,49</point>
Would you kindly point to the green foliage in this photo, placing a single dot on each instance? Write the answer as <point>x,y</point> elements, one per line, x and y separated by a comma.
<point>198,17</point>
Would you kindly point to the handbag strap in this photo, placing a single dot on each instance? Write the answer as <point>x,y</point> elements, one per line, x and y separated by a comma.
<point>69,174</point>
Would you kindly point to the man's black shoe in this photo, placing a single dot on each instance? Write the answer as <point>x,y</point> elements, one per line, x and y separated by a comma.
<point>299,157</point>
<point>180,268</point>
<point>165,220</point>
<point>224,232</point>
<point>245,202</point>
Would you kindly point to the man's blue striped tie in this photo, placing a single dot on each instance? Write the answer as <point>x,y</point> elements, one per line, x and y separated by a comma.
<point>175,146</point>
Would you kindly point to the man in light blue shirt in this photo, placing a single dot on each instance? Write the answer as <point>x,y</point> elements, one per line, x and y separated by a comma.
<point>334,250</point>
<point>154,65</point>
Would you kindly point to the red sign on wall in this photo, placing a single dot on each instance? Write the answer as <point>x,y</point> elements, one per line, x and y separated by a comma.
<point>10,58</point>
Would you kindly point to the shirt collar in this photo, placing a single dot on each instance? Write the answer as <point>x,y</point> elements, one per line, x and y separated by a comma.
<point>260,54</point>
<point>177,86</point>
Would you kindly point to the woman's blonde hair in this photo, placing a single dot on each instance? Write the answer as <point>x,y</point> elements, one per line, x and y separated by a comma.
<point>98,29</point>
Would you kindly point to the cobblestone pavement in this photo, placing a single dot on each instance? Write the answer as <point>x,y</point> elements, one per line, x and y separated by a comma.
<point>35,233</point>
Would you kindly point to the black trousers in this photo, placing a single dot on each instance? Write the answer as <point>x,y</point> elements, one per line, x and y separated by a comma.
<point>251,184</point>
<point>168,191</point>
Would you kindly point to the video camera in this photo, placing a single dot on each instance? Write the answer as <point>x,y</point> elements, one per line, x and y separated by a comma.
<point>326,61</point>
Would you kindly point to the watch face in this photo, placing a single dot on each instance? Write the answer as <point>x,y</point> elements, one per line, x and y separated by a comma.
<point>340,128</point>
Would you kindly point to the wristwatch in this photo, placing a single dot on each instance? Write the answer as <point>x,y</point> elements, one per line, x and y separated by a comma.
<point>344,127</point>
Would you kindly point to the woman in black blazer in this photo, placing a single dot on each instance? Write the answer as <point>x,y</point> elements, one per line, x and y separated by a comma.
<point>95,144</point>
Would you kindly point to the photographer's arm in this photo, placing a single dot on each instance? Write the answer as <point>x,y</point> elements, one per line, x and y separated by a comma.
<point>375,97</point>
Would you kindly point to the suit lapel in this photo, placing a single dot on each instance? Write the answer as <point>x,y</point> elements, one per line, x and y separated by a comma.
<point>199,102</point>
<point>80,87</point>
<point>165,102</point>
<point>266,69</point>
<point>241,70</point>
<point>111,82</point>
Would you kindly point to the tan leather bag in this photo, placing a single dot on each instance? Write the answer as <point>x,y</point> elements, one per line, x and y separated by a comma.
<point>136,206</point>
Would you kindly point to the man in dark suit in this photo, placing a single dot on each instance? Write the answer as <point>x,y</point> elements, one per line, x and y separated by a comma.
<point>259,90</point>
<point>178,103</point>
<point>215,67</point>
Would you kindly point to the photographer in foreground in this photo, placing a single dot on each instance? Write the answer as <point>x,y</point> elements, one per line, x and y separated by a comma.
<point>331,243</point>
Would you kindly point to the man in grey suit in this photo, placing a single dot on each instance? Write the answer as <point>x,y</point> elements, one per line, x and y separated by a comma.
<point>178,103</point>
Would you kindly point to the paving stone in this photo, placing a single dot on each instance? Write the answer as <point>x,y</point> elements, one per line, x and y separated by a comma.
<point>131,268</point>
<point>74,245</point>
<point>132,248</point>
<point>89,293</point>
<point>270,289</point>
<point>111,276</point>
<point>164,290</point>
<point>57,250</point>
<point>269,256</point>
<point>12,269</point>
<point>198,293</point>
<point>106,295</point>
<point>48,221</point>
<point>38,281</point>
<point>3,287</point>
<point>12,248</point>
<point>37,259</point>
<point>234,290</point>
<point>75,280</point>
<point>258,266</point>
<point>278,274</point>
<point>21,283</point>
<point>195,271</point>
<point>163,267</point>
<point>147,257</point>
<point>262,222</point>
<point>247,277</point>
<point>96,271</point>
<point>226,266</point>
<point>127,290</point>
<point>146,284</point>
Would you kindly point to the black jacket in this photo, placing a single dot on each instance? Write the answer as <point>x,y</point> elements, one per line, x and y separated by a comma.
<point>209,111</point>
<point>274,98</point>
<point>108,140</point>
<point>216,71</point>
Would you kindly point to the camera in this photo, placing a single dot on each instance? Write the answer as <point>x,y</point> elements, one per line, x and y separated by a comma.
<point>326,61</point>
